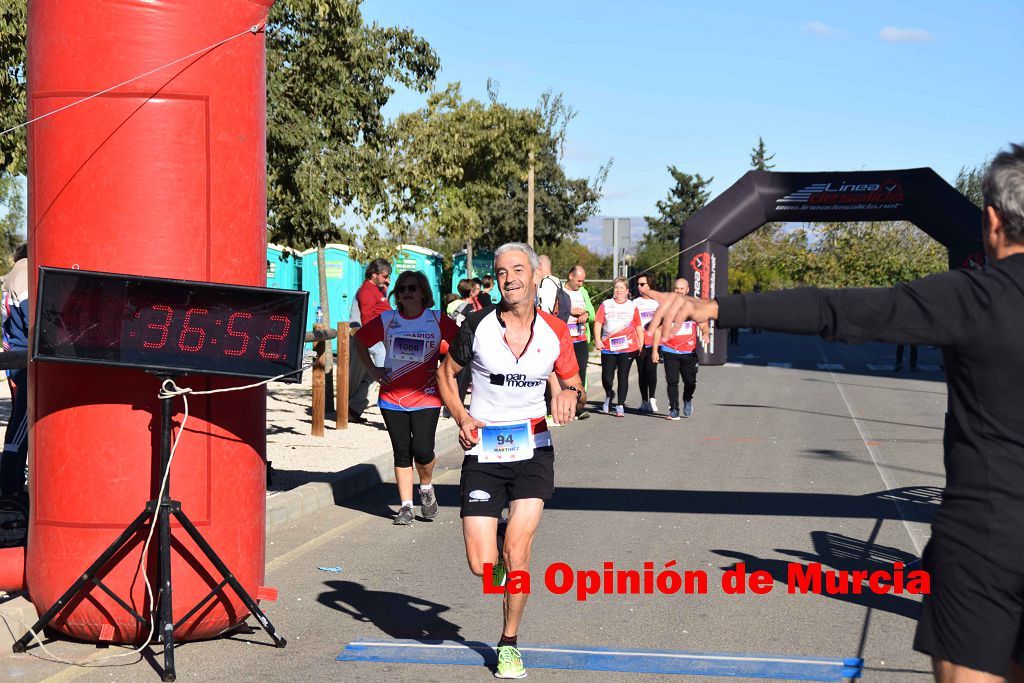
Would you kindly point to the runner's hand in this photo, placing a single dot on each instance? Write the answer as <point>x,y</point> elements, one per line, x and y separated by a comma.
<point>655,356</point>
<point>469,435</point>
<point>699,310</point>
<point>563,407</point>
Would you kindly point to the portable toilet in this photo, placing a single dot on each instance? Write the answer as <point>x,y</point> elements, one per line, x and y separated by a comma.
<point>411,257</point>
<point>483,264</point>
<point>284,268</point>
<point>344,276</point>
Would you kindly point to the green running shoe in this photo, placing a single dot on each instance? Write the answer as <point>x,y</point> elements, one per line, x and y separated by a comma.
<point>510,663</point>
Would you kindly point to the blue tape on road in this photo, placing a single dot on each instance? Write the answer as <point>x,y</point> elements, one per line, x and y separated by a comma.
<point>449,652</point>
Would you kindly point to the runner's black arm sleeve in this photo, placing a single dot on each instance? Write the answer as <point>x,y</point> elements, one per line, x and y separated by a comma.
<point>938,309</point>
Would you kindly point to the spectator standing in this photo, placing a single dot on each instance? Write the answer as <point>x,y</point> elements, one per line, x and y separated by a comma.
<point>371,300</point>
<point>15,338</point>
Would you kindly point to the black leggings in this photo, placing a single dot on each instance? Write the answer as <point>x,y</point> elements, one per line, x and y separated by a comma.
<point>648,371</point>
<point>676,365</point>
<point>412,434</point>
<point>612,364</point>
<point>582,351</point>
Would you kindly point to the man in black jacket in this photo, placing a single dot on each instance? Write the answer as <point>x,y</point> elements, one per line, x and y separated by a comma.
<point>972,625</point>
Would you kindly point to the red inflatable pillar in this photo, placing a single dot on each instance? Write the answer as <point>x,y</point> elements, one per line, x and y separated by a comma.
<point>163,176</point>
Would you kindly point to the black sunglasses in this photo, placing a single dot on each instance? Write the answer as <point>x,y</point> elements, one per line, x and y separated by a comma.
<point>406,288</point>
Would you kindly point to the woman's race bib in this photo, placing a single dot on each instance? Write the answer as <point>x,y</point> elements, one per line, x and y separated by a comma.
<point>620,343</point>
<point>646,316</point>
<point>575,329</point>
<point>408,349</point>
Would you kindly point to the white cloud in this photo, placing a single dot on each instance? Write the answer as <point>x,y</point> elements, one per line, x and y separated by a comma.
<point>891,34</point>
<point>817,28</point>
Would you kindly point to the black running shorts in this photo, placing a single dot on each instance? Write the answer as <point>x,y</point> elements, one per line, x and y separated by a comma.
<point>489,487</point>
<point>974,615</point>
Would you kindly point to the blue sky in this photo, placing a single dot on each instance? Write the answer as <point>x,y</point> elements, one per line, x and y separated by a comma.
<point>852,85</point>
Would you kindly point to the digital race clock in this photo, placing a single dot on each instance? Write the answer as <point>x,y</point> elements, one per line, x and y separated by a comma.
<point>162,325</point>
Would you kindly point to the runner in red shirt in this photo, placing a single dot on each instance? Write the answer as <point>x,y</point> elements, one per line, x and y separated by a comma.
<point>619,334</point>
<point>676,343</point>
<point>414,336</point>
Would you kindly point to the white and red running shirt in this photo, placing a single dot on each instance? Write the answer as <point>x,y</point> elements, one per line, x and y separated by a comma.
<point>647,308</point>
<point>618,326</point>
<point>412,346</point>
<point>683,339</point>
<point>577,330</point>
<point>507,388</point>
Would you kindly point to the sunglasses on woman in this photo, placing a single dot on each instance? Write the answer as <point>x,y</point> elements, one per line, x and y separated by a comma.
<point>406,288</point>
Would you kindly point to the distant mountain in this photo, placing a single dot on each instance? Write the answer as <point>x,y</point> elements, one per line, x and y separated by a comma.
<point>592,235</point>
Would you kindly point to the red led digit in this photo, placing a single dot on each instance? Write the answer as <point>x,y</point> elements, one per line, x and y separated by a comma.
<point>188,329</point>
<point>275,337</point>
<point>164,327</point>
<point>235,333</point>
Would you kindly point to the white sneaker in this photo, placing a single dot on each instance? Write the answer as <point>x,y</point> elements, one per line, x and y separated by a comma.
<point>620,410</point>
<point>645,407</point>
<point>653,405</point>
<point>606,406</point>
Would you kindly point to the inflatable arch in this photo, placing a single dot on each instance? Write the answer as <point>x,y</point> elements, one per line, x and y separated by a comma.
<point>917,195</point>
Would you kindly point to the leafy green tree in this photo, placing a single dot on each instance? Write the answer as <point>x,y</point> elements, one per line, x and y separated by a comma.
<point>12,222</point>
<point>968,182</point>
<point>13,27</point>
<point>328,77</point>
<point>875,254</point>
<point>687,197</point>
<point>459,168</point>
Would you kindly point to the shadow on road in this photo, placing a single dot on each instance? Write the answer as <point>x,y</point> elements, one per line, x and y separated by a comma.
<point>899,605</point>
<point>815,412</point>
<point>912,503</point>
<point>403,617</point>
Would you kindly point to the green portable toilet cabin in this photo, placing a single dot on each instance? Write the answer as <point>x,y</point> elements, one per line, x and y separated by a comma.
<point>411,257</point>
<point>284,268</point>
<point>344,276</point>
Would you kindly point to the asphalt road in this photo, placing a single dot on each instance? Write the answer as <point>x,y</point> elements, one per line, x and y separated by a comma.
<point>841,466</point>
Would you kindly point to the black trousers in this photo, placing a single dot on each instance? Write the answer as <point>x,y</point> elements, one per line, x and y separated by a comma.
<point>612,364</point>
<point>15,454</point>
<point>648,371</point>
<point>913,355</point>
<point>680,365</point>
<point>412,434</point>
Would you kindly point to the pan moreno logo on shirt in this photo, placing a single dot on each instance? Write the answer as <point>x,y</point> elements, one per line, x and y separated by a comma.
<point>887,194</point>
<point>515,381</point>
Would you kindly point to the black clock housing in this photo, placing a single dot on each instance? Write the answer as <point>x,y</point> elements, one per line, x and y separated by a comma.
<point>165,325</point>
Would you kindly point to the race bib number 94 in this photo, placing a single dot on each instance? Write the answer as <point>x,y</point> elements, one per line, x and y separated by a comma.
<point>505,443</point>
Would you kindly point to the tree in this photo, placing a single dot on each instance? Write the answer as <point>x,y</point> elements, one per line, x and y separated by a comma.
<point>459,169</point>
<point>874,254</point>
<point>13,27</point>
<point>689,196</point>
<point>768,257</point>
<point>968,183</point>
<point>328,77</point>
<point>759,157</point>
<point>12,222</point>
